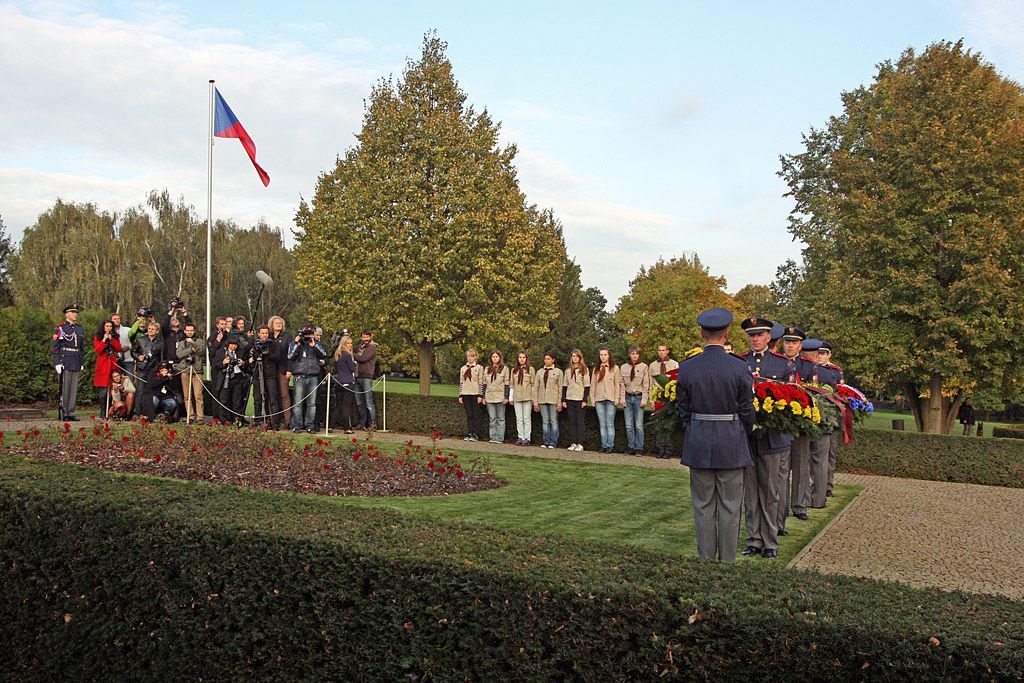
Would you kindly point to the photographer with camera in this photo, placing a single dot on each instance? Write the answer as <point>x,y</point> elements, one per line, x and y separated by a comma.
<point>143,317</point>
<point>307,357</point>
<point>173,327</point>
<point>122,396</point>
<point>107,345</point>
<point>214,343</point>
<point>148,350</point>
<point>245,338</point>
<point>124,359</point>
<point>234,380</point>
<point>190,354</point>
<point>263,362</point>
<point>158,399</point>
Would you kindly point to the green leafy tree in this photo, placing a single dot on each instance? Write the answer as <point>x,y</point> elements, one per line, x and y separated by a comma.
<point>756,300</point>
<point>6,297</point>
<point>421,229</point>
<point>664,300</point>
<point>911,206</point>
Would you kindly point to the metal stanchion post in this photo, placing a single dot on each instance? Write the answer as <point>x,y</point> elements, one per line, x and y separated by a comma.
<point>327,409</point>
<point>384,401</point>
<point>188,398</point>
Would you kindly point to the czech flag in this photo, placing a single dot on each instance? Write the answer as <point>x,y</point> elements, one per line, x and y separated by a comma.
<point>226,125</point>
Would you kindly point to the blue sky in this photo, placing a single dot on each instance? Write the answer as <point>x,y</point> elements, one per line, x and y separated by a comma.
<point>651,129</point>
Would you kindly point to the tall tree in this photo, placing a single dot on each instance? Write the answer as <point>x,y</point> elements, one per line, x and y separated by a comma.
<point>421,228</point>
<point>664,300</point>
<point>911,205</point>
<point>6,297</point>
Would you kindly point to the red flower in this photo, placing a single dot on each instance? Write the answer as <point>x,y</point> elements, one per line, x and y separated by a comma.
<point>459,474</point>
<point>195,449</point>
<point>327,466</point>
<point>67,425</point>
<point>430,464</point>
<point>18,432</point>
<point>157,457</point>
<point>355,458</point>
<point>441,471</point>
<point>95,431</point>
<point>35,432</point>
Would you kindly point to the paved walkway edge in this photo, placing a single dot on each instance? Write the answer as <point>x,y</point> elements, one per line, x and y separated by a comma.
<point>824,530</point>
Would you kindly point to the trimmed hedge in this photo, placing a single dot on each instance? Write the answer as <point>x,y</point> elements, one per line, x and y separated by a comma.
<point>993,462</point>
<point>1009,432</point>
<point>127,577</point>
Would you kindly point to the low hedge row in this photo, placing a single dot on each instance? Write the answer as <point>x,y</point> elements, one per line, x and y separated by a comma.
<point>995,462</point>
<point>127,577</point>
<point>1009,432</point>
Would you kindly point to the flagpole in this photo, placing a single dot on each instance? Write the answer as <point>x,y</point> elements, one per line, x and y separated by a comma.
<point>209,227</point>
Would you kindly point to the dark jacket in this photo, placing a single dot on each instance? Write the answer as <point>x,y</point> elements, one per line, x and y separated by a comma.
<point>715,383</point>
<point>281,343</point>
<point>771,365</point>
<point>67,347</point>
<point>306,359</point>
<point>269,355</point>
<point>148,352</point>
<point>366,359</point>
<point>345,369</point>
<point>240,362</point>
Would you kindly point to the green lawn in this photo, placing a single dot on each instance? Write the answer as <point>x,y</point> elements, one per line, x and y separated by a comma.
<point>616,503</point>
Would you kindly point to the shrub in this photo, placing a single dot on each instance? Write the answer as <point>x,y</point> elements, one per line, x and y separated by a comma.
<point>116,576</point>
<point>1009,432</point>
<point>994,462</point>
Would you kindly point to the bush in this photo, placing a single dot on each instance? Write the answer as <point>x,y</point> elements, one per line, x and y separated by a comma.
<point>993,462</point>
<point>1009,432</point>
<point>114,576</point>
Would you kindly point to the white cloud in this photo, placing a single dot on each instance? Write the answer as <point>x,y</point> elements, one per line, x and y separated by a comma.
<point>105,110</point>
<point>994,27</point>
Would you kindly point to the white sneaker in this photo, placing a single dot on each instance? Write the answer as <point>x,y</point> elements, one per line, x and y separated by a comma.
<point>571,447</point>
<point>579,448</point>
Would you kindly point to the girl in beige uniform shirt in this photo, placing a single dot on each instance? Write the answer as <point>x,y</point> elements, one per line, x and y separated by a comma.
<point>607,394</point>
<point>471,395</point>
<point>575,390</point>
<point>522,397</point>
<point>496,389</point>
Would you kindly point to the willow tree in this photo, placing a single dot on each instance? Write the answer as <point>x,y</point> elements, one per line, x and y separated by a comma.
<point>911,204</point>
<point>421,228</point>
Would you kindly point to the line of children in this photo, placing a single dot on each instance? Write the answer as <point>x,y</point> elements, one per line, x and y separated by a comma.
<point>549,390</point>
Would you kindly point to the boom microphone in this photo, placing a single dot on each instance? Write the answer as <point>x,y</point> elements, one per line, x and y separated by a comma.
<point>265,279</point>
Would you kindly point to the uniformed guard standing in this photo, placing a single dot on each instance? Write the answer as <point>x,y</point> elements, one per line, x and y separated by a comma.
<point>796,494</point>
<point>715,404</point>
<point>761,480</point>
<point>825,361</point>
<point>67,353</point>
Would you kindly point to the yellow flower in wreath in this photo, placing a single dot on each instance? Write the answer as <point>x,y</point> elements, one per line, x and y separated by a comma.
<point>769,404</point>
<point>757,404</point>
<point>795,407</point>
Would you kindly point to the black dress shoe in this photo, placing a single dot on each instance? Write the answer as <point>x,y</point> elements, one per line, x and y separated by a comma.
<point>770,554</point>
<point>751,551</point>
<point>71,418</point>
<point>783,532</point>
<point>802,516</point>
<point>828,494</point>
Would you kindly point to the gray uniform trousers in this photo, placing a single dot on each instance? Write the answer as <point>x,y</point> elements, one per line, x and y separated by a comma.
<point>69,391</point>
<point>717,496</point>
<point>819,469</point>
<point>833,452</point>
<point>795,494</point>
<point>761,500</point>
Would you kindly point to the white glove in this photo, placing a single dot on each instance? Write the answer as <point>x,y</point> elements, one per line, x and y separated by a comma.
<point>58,368</point>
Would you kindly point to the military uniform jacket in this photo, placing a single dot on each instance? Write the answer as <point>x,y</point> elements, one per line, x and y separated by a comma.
<point>715,383</point>
<point>549,392</point>
<point>496,385</point>
<point>66,346</point>
<point>522,390</point>
<point>474,385</point>
<point>806,369</point>
<point>770,365</point>
<point>830,374</point>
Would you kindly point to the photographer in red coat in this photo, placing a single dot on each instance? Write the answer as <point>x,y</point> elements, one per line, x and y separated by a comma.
<point>107,345</point>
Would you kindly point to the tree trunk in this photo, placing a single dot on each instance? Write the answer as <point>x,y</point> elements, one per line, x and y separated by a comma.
<point>916,407</point>
<point>425,352</point>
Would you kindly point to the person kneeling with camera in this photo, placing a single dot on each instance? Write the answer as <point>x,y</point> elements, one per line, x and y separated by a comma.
<point>307,357</point>
<point>234,381</point>
<point>158,400</point>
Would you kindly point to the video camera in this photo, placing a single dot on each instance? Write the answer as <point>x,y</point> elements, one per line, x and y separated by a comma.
<point>308,331</point>
<point>176,303</point>
<point>144,312</point>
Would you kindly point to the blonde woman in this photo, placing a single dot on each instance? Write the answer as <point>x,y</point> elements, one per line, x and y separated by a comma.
<point>344,383</point>
<point>471,394</point>
<point>496,391</point>
<point>280,336</point>
<point>607,394</point>
<point>575,391</point>
<point>522,397</point>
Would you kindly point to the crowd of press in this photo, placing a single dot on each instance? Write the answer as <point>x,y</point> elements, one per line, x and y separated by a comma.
<point>155,369</point>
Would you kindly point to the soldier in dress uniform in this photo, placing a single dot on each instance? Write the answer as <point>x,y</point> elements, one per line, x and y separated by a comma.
<point>796,494</point>
<point>662,366</point>
<point>67,351</point>
<point>760,480</point>
<point>834,373</point>
<point>715,405</point>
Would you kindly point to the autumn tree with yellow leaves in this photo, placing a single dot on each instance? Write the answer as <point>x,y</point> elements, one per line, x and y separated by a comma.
<point>911,206</point>
<point>421,231</point>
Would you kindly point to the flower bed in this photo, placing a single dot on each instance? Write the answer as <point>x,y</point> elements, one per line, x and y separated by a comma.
<point>259,458</point>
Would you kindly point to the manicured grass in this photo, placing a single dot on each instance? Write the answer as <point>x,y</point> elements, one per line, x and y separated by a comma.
<point>642,506</point>
<point>412,386</point>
